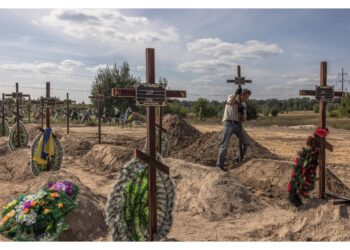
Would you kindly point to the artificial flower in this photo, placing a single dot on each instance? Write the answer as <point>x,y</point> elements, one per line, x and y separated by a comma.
<point>60,205</point>
<point>11,213</point>
<point>46,211</point>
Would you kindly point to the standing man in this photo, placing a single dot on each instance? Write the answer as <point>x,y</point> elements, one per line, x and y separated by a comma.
<point>234,115</point>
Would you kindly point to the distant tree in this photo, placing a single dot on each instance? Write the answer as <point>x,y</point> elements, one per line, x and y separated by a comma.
<point>114,77</point>
<point>274,111</point>
<point>252,112</point>
<point>316,108</point>
<point>344,107</point>
<point>202,108</point>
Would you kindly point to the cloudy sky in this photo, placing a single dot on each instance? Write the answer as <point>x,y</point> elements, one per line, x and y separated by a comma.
<point>196,50</point>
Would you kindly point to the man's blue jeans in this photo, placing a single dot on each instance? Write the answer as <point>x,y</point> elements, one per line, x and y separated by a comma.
<point>229,129</point>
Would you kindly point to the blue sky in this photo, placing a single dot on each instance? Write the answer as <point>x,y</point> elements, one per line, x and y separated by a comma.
<point>197,50</point>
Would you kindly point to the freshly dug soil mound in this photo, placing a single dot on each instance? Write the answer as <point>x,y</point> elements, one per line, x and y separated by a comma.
<point>107,159</point>
<point>33,130</point>
<point>206,148</point>
<point>269,179</point>
<point>15,165</point>
<point>181,134</point>
<point>209,192</point>
<point>74,146</point>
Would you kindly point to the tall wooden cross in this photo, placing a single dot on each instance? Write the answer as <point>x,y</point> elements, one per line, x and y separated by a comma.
<point>323,94</point>
<point>17,96</point>
<point>3,118</point>
<point>67,101</point>
<point>239,80</point>
<point>150,95</point>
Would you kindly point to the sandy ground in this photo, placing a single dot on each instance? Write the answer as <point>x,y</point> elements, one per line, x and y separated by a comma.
<point>245,204</point>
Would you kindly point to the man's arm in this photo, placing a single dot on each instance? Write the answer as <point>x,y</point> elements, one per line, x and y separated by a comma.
<point>233,100</point>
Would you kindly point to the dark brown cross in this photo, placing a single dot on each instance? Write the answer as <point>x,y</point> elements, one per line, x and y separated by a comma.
<point>239,80</point>
<point>323,94</point>
<point>47,103</point>
<point>67,101</point>
<point>3,103</point>
<point>99,99</point>
<point>17,96</point>
<point>150,95</point>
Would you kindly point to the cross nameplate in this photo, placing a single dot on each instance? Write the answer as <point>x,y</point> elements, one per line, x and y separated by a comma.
<point>324,93</point>
<point>150,95</point>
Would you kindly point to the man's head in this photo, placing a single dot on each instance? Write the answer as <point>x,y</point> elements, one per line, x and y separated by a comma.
<point>246,93</point>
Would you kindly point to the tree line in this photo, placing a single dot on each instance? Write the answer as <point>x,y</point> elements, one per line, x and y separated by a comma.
<point>120,77</point>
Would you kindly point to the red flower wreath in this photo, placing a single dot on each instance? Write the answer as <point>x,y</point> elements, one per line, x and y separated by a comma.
<point>303,177</point>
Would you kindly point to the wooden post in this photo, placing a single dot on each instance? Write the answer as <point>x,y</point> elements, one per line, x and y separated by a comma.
<point>42,116</point>
<point>323,115</point>
<point>160,122</point>
<point>151,149</point>
<point>48,109</point>
<point>18,117</point>
<point>3,113</point>
<point>67,115</point>
<point>29,109</point>
<point>99,115</point>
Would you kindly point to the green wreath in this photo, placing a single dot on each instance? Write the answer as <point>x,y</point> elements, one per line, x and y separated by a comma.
<point>7,129</point>
<point>55,160</point>
<point>127,207</point>
<point>24,136</point>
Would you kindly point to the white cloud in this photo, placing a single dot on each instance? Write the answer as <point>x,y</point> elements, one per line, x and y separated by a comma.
<point>36,68</point>
<point>215,47</point>
<point>108,26</point>
<point>225,54</point>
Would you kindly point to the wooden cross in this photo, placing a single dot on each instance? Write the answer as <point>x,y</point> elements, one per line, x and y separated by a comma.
<point>99,98</point>
<point>150,95</point>
<point>323,94</point>
<point>47,103</point>
<point>3,103</point>
<point>67,101</point>
<point>239,80</point>
<point>17,96</point>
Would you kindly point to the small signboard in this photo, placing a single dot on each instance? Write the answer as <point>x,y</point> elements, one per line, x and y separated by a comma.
<point>47,102</point>
<point>150,95</point>
<point>324,93</point>
<point>17,95</point>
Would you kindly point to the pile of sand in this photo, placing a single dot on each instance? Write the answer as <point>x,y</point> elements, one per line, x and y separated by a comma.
<point>15,165</point>
<point>181,134</point>
<point>106,159</point>
<point>74,146</point>
<point>205,150</point>
<point>208,192</point>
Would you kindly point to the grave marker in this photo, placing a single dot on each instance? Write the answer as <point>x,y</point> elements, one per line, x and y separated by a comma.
<point>324,94</point>
<point>152,96</point>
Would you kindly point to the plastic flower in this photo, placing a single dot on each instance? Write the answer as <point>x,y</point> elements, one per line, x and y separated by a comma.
<point>11,204</point>
<point>60,205</point>
<point>33,203</point>
<point>289,186</point>
<point>54,195</point>
<point>321,132</point>
<point>46,211</point>
<point>42,203</point>
<point>26,210</point>
<point>11,213</point>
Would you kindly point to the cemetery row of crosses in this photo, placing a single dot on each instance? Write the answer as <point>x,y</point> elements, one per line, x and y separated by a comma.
<point>71,173</point>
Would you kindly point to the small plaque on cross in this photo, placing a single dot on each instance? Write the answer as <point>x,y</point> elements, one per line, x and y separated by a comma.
<point>324,93</point>
<point>47,102</point>
<point>150,95</point>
